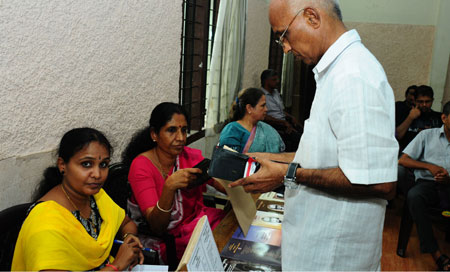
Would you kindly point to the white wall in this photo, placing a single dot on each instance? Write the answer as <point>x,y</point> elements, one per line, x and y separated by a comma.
<point>412,12</point>
<point>429,17</point>
<point>66,64</point>
<point>106,64</point>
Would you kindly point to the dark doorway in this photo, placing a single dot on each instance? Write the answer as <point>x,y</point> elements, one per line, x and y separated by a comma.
<point>304,83</point>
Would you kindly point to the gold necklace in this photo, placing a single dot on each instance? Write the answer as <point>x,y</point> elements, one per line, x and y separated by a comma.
<point>164,174</point>
<point>76,208</point>
<point>68,197</point>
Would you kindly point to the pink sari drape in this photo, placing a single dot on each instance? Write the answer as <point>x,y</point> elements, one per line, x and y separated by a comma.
<point>147,185</point>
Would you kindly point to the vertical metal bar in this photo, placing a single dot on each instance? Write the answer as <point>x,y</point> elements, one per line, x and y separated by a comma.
<point>206,29</point>
<point>183,42</point>
<point>194,14</point>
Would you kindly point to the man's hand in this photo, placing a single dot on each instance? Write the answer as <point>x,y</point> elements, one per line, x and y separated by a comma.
<point>269,176</point>
<point>442,178</point>
<point>259,155</point>
<point>289,127</point>
<point>414,113</point>
<point>437,170</point>
<point>440,174</point>
<point>401,129</point>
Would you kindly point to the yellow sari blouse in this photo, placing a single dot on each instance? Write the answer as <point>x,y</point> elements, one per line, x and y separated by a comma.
<point>52,238</point>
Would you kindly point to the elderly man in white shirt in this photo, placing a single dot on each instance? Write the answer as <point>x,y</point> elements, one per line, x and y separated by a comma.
<point>345,168</point>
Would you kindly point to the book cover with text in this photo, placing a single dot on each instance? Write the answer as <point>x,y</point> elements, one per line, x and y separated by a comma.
<point>237,265</point>
<point>252,252</point>
<point>270,206</point>
<point>268,219</point>
<point>271,236</point>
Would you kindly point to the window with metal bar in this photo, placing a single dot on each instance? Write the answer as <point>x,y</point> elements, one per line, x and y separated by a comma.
<point>199,23</point>
<point>275,55</point>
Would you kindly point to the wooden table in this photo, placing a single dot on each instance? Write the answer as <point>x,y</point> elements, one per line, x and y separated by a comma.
<point>223,232</point>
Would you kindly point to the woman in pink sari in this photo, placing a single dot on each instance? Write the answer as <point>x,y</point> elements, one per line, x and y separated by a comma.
<point>160,172</point>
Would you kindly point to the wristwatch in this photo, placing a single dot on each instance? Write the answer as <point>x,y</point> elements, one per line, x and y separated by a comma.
<point>291,176</point>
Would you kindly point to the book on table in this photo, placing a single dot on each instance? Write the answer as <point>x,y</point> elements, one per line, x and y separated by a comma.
<point>237,265</point>
<point>259,249</point>
<point>272,196</point>
<point>270,206</point>
<point>201,253</point>
<point>268,219</point>
<point>252,253</point>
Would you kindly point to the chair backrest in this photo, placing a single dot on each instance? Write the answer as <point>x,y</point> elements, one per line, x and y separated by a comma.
<point>118,188</point>
<point>11,221</point>
<point>116,185</point>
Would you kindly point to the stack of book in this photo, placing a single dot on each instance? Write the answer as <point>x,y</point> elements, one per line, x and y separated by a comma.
<point>260,249</point>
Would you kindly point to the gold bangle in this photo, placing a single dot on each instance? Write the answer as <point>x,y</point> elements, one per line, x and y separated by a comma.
<point>128,233</point>
<point>161,209</point>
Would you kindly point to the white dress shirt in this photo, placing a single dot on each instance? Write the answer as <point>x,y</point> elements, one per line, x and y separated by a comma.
<point>351,126</point>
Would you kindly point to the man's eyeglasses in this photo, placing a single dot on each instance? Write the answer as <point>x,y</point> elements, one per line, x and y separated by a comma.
<point>280,39</point>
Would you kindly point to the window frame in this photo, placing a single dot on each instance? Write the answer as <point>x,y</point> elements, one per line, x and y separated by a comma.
<point>198,29</point>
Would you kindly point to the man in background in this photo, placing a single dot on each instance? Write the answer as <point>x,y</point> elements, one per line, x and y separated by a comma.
<point>428,154</point>
<point>286,124</point>
<point>420,116</point>
<point>409,123</point>
<point>403,108</point>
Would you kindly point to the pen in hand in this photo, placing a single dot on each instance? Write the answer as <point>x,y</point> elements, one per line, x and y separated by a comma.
<point>145,248</point>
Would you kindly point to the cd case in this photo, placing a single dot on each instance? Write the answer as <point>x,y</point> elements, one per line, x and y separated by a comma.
<point>231,165</point>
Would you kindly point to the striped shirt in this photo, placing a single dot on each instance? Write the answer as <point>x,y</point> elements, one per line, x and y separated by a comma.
<point>351,126</point>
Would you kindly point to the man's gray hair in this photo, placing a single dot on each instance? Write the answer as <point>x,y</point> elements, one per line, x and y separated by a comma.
<point>337,9</point>
<point>330,6</point>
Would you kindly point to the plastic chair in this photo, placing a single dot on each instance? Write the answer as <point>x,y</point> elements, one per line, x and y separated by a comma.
<point>11,221</point>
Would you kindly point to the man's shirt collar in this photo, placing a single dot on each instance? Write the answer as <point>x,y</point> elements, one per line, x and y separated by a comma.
<point>336,49</point>
<point>266,92</point>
